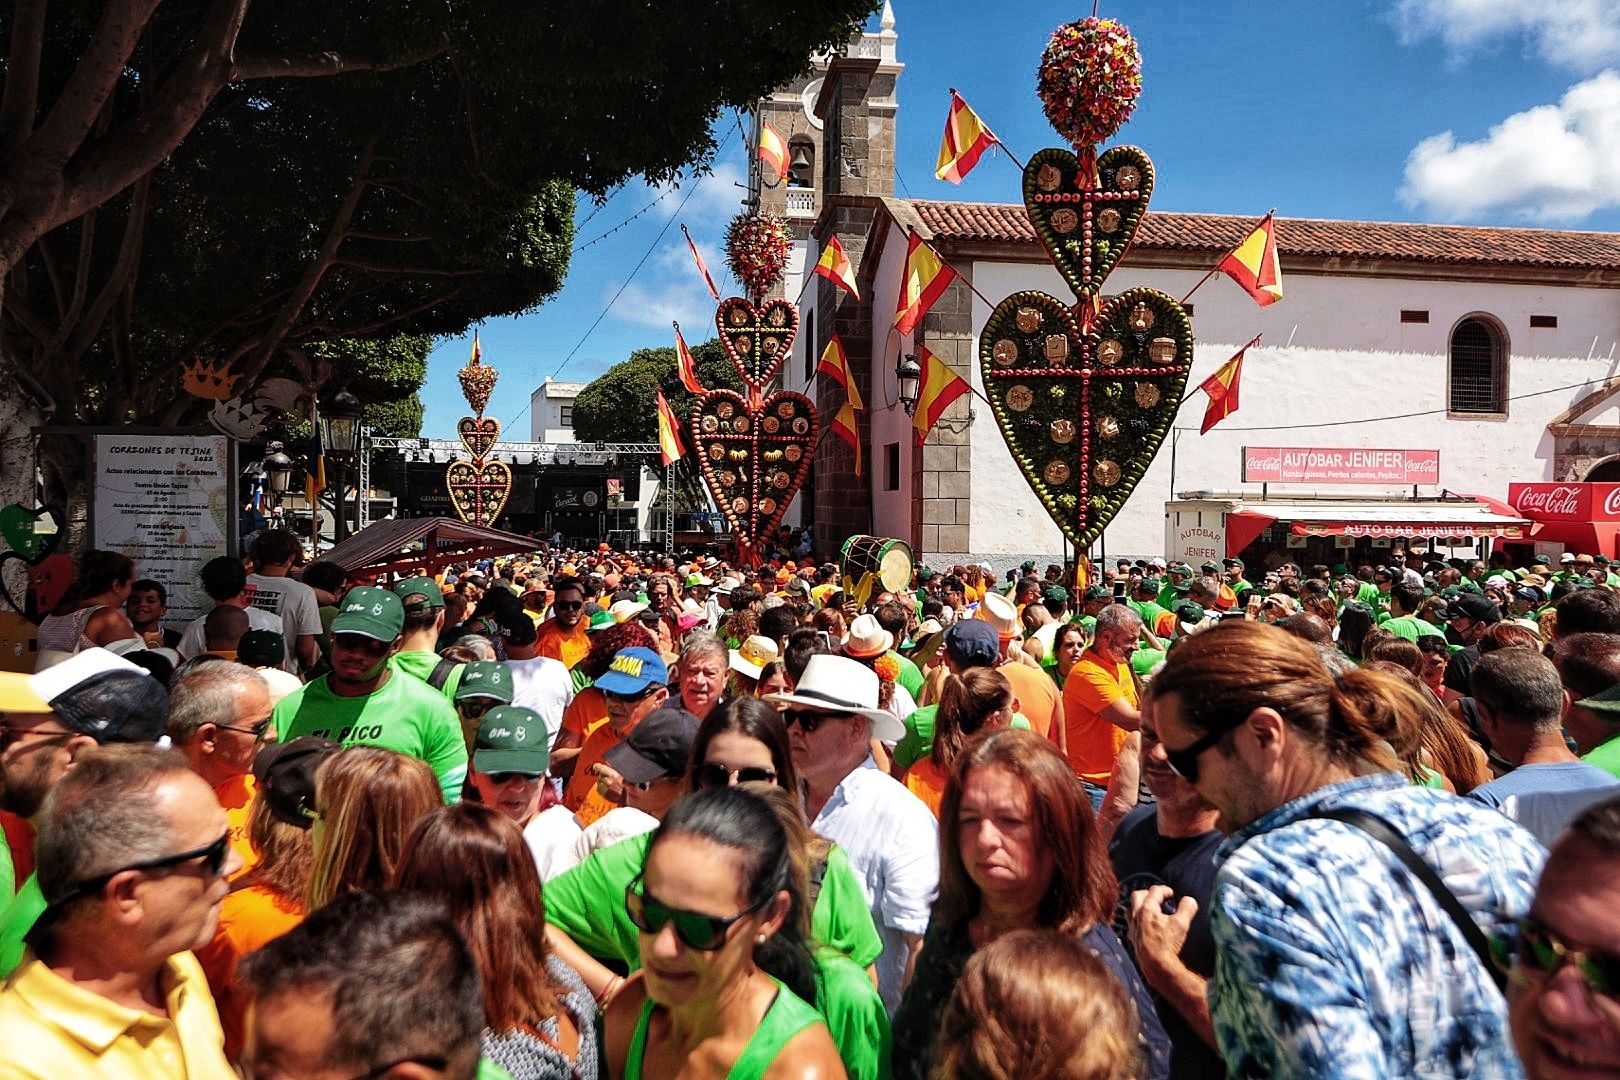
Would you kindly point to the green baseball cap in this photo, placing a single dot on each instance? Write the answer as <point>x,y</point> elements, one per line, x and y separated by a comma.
<point>419,593</point>
<point>511,739</point>
<point>1056,593</point>
<point>1097,592</point>
<point>1182,587</point>
<point>1188,611</point>
<point>698,581</point>
<point>1541,560</point>
<point>485,678</point>
<point>600,620</point>
<point>924,573</point>
<point>1182,568</point>
<point>1608,701</point>
<point>370,612</point>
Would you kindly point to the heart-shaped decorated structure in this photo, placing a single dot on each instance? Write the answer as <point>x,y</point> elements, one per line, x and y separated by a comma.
<point>478,489</point>
<point>1084,413</point>
<point>19,527</point>
<point>479,434</point>
<point>1087,228</point>
<point>757,339</point>
<point>754,459</point>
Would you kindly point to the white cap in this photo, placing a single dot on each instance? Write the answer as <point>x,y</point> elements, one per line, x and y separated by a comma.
<point>85,664</point>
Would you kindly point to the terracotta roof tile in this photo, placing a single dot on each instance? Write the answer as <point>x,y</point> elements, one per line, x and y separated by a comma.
<point>1000,223</point>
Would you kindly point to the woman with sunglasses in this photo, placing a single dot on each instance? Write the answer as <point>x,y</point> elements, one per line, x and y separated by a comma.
<point>727,981</point>
<point>540,1021</point>
<point>1019,849</point>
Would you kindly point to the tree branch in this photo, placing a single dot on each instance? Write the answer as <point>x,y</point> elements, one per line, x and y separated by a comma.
<point>20,102</point>
<point>81,286</point>
<point>322,64</point>
<point>386,239</point>
<point>410,271</point>
<point>119,280</point>
<point>393,319</point>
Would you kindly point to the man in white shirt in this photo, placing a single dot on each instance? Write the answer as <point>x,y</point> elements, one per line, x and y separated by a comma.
<point>270,589</point>
<point>538,682</point>
<point>225,581</point>
<point>890,836</point>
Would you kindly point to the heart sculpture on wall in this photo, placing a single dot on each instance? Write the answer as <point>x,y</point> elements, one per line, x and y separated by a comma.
<point>478,489</point>
<point>754,459</point>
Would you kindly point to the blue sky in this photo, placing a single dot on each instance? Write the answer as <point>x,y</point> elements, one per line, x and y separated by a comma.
<point>1468,111</point>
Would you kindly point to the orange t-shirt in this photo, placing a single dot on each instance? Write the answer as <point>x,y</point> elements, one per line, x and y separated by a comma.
<point>236,796</point>
<point>586,713</point>
<point>249,919</point>
<point>927,781</point>
<point>581,795</point>
<point>558,644</point>
<point>1093,685</point>
<point>1037,695</point>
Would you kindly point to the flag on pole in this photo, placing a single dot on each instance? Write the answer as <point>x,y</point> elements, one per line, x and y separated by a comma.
<point>478,350</point>
<point>938,387</point>
<point>315,459</point>
<point>669,432</point>
<point>1253,263</point>
<point>773,150</point>
<point>835,362</point>
<point>1222,388</point>
<point>966,139</point>
<point>925,278</point>
<point>685,365</point>
<point>702,269</point>
<point>834,266</point>
<point>845,426</point>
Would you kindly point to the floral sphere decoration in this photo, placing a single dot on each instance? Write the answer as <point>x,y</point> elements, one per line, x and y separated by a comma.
<point>477,381</point>
<point>1090,78</point>
<point>757,250</point>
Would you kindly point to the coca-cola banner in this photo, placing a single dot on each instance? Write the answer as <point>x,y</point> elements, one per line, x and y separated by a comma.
<point>1566,502</point>
<point>1339,465</point>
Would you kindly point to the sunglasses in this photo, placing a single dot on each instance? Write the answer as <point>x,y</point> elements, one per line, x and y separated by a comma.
<point>500,779</point>
<point>258,731</point>
<point>9,736</point>
<point>705,933</point>
<point>809,721</point>
<point>361,643</point>
<point>713,775</point>
<point>213,858</point>
<point>1533,950</point>
<point>568,605</point>
<point>473,709</point>
<point>1184,762</point>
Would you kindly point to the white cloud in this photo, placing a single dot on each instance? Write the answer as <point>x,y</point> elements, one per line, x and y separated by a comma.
<point>717,199</point>
<point>656,305</point>
<point>1582,35</point>
<point>1550,163</point>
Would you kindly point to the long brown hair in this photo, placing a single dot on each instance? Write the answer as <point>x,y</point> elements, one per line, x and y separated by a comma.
<point>755,718</point>
<point>1225,673</point>
<point>1082,890</point>
<point>966,703</point>
<point>1446,745</point>
<point>369,800</point>
<point>286,854</point>
<point>477,863</point>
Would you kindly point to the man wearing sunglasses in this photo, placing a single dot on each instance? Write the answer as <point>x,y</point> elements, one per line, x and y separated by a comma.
<point>485,685</point>
<point>634,686</point>
<point>219,717</point>
<point>134,857</point>
<point>563,637</point>
<point>1564,957</point>
<point>362,701</point>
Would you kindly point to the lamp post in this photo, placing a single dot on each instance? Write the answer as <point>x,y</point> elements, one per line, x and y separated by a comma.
<point>340,437</point>
<point>909,375</point>
<point>278,469</point>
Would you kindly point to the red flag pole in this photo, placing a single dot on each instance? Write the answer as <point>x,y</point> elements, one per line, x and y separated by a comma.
<point>993,136</point>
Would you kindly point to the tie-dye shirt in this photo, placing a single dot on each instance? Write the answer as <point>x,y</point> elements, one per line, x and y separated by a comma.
<point>1332,960</point>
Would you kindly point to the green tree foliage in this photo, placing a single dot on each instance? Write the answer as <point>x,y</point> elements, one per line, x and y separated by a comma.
<point>619,405</point>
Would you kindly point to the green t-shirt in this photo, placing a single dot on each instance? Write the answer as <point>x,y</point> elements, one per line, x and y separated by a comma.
<point>1143,661</point>
<point>19,918</point>
<point>422,665</point>
<point>404,714</point>
<point>911,676</point>
<point>1411,628</point>
<point>856,1018</point>
<point>587,903</point>
<point>919,737</point>
<point>488,1070</point>
<point>8,869</point>
<point>1606,757</point>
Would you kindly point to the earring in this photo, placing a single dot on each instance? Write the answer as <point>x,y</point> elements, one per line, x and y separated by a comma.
<point>760,940</point>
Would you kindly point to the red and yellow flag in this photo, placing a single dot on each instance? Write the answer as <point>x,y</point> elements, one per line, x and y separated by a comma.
<point>685,365</point>
<point>835,362</point>
<point>845,426</point>
<point>669,432</point>
<point>702,269</point>
<point>834,266</point>
<point>773,150</point>
<point>938,387</point>
<point>1222,388</point>
<point>926,277</point>
<point>966,139</point>
<point>478,350</point>
<point>1253,263</point>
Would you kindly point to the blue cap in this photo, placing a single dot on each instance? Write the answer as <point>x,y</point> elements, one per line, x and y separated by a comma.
<point>972,643</point>
<point>632,671</point>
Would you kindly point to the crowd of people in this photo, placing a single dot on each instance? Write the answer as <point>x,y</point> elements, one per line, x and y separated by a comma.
<point>590,814</point>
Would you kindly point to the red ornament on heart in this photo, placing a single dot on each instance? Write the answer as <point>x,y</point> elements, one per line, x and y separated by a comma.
<point>1090,78</point>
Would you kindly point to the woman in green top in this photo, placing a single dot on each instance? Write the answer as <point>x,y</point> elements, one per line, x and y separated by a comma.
<point>725,974</point>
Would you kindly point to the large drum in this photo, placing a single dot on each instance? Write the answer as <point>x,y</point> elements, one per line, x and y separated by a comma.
<point>888,561</point>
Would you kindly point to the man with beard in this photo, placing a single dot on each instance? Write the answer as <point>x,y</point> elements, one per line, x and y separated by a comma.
<point>91,699</point>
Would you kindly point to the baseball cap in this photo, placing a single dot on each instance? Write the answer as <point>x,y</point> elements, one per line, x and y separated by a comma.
<point>695,581</point>
<point>1188,612</point>
<point>1530,593</point>
<point>600,620</point>
<point>972,643</point>
<point>1027,565</point>
<point>1096,592</point>
<point>1056,593</point>
<point>485,678</point>
<point>419,593</point>
<point>285,775</point>
<point>1472,606</point>
<point>1567,557</point>
<point>512,738</point>
<point>632,671</point>
<point>1181,568</point>
<point>1209,566</point>
<point>261,648</point>
<point>1235,562</point>
<point>925,573</point>
<point>1541,560</point>
<point>1601,560</point>
<point>1157,563</point>
<point>371,612</point>
<point>659,746</point>
<point>104,696</point>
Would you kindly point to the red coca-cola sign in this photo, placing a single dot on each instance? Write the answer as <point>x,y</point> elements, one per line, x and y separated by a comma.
<point>1566,502</point>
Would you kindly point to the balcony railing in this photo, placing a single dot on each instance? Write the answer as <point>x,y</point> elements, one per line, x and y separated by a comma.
<point>801,202</point>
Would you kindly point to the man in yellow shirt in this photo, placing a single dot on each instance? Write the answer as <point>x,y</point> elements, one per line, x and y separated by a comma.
<point>1100,702</point>
<point>219,716</point>
<point>563,637</point>
<point>134,855</point>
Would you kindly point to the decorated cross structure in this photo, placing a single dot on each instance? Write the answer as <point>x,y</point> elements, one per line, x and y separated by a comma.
<point>479,487</point>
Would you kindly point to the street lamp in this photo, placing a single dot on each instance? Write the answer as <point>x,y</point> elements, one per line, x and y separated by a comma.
<point>278,469</point>
<point>340,438</point>
<point>909,374</point>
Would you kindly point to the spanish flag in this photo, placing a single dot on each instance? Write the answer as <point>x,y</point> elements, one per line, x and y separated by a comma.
<point>702,267</point>
<point>685,365</point>
<point>835,362</point>
<point>315,458</point>
<point>844,425</point>
<point>834,266</point>
<point>926,277</point>
<point>669,437</point>
<point>478,350</point>
<point>1222,388</point>
<point>938,387</point>
<point>966,139</point>
<point>773,150</point>
<point>1253,263</point>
